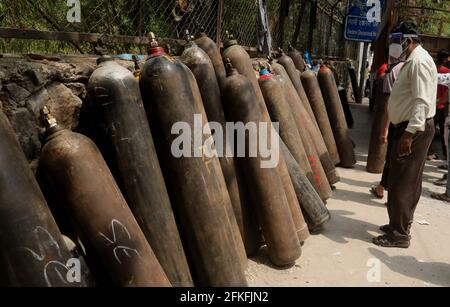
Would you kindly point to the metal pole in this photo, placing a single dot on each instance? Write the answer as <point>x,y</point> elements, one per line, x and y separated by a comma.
<point>219,22</point>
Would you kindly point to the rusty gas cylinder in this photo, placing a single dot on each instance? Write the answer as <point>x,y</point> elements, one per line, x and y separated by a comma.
<point>33,253</point>
<point>312,89</point>
<point>314,210</point>
<point>266,185</point>
<point>82,186</point>
<point>377,150</point>
<point>122,124</point>
<point>297,57</point>
<point>201,66</point>
<point>336,117</point>
<point>211,49</point>
<point>308,124</point>
<point>298,141</point>
<point>191,170</point>
<point>241,61</point>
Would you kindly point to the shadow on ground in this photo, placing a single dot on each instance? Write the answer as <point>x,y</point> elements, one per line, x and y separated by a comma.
<point>342,227</point>
<point>436,273</point>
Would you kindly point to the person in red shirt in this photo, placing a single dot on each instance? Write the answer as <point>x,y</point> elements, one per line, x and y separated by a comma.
<point>441,112</point>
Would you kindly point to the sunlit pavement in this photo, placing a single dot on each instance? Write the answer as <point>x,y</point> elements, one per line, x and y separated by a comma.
<point>343,255</point>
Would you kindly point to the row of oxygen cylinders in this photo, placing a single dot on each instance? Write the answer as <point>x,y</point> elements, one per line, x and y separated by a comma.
<point>142,217</point>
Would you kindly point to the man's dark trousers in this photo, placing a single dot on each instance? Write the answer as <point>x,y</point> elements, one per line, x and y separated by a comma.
<point>405,179</point>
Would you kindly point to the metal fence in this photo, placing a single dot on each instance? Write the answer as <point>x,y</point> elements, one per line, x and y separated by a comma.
<point>168,19</point>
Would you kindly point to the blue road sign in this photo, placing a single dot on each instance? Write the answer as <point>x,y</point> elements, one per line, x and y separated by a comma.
<point>363,18</point>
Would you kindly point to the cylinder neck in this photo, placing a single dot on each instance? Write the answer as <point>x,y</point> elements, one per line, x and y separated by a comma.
<point>50,123</point>
<point>104,59</point>
<point>230,40</point>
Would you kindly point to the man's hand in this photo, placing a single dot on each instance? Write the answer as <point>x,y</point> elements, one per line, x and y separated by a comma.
<point>404,146</point>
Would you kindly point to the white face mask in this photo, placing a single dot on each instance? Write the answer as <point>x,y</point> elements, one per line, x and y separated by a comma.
<point>395,51</point>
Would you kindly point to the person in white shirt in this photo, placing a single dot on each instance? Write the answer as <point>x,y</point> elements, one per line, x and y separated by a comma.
<point>411,107</point>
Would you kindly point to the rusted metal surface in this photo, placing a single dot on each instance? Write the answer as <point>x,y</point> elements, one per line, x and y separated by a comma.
<point>202,68</point>
<point>346,107</point>
<point>213,51</point>
<point>312,136</point>
<point>304,122</point>
<point>336,117</point>
<point>298,141</point>
<point>313,208</point>
<point>126,138</point>
<point>316,99</point>
<point>321,182</point>
<point>200,109</point>
<point>195,184</point>
<point>83,187</point>
<point>33,252</point>
<point>377,150</point>
<point>240,59</point>
<point>297,58</point>
<point>294,76</point>
<point>267,191</point>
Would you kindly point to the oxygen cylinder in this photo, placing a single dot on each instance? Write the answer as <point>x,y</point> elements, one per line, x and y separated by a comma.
<point>297,57</point>
<point>273,211</point>
<point>294,76</point>
<point>211,49</point>
<point>345,106</point>
<point>377,150</point>
<point>313,208</point>
<point>33,252</point>
<point>118,108</point>
<point>354,82</point>
<point>191,169</point>
<point>72,168</point>
<point>297,141</point>
<point>304,122</point>
<point>241,61</point>
<point>316,99</point>
<point>199,109</point>
<point>336,117</point>
<point>200,65</point>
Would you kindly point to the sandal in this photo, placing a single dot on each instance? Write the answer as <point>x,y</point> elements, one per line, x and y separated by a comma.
<point>373,191</point>
<point>387,241</point>
<point>440,182</point>
<point>440,196</point>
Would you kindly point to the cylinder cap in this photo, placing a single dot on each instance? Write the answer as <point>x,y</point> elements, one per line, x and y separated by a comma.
<point>154,50</point>
<point>324,69</point>
<point>265,74</point>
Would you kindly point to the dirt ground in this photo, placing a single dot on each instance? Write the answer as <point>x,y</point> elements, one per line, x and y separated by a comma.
<point>343,254</point>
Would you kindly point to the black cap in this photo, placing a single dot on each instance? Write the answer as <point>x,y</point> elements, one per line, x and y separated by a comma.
<point>406,27</point>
